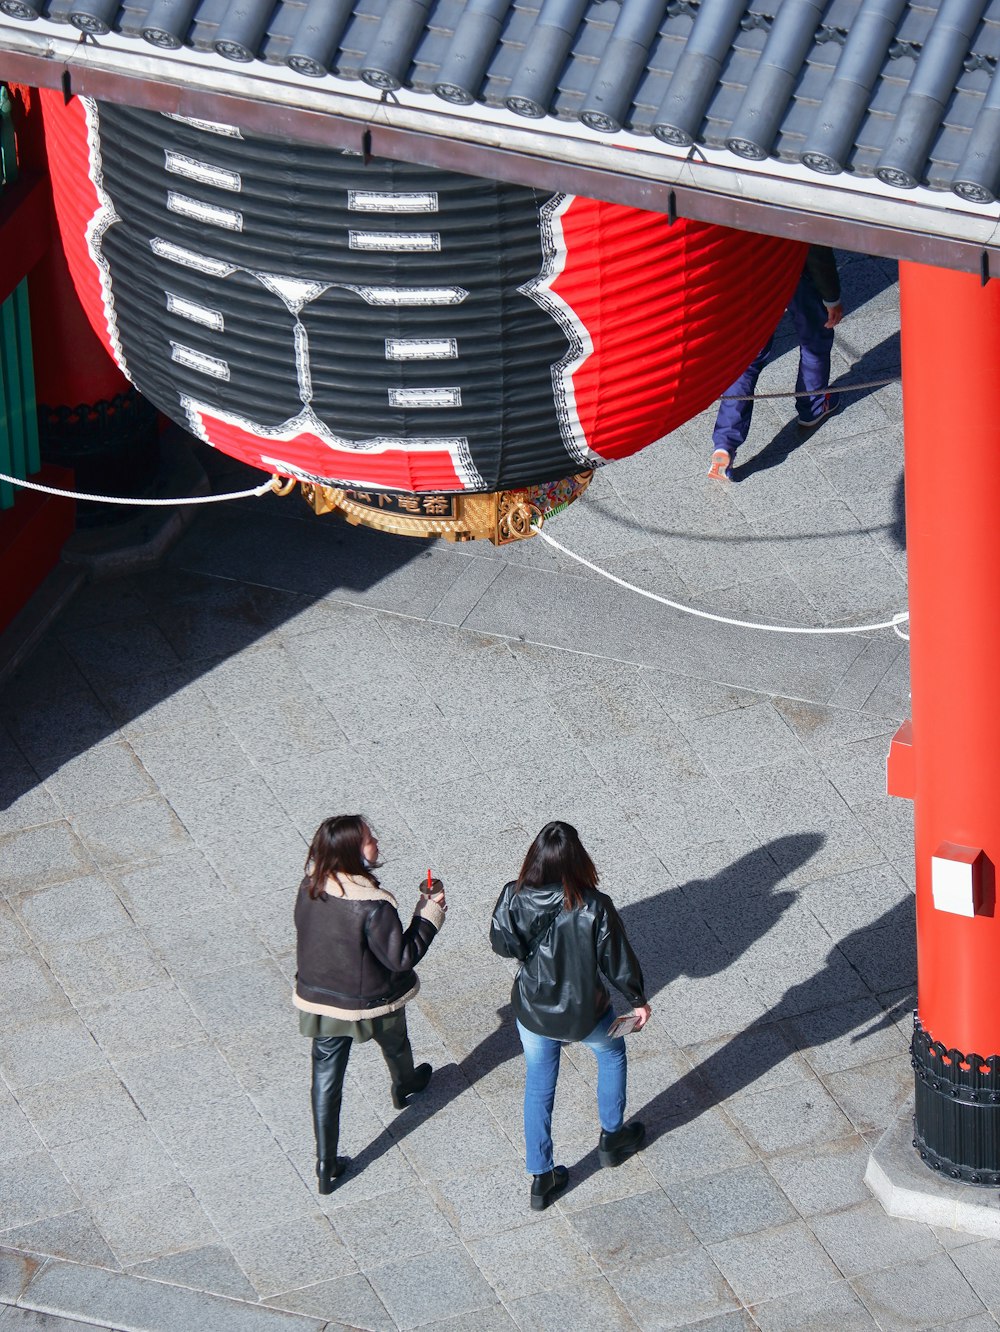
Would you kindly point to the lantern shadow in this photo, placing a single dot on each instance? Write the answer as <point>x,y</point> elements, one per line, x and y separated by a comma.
<point>682,934</point>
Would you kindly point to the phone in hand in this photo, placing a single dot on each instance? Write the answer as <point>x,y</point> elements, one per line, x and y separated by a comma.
<point>624,1025</point>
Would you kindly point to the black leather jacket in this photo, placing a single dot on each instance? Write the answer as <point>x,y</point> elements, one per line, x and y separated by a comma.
<point>355,956</point>
<point>565,958</point>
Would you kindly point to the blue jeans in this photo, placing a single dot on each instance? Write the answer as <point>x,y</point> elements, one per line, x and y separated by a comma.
<point>809,316</point>
<point>541,1055</point>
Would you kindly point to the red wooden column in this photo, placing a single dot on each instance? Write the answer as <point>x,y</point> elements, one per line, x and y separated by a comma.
<point>951,417</point>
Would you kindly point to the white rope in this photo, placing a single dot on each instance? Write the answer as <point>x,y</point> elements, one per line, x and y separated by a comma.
<point>899,618</point>
<point>149,503</point>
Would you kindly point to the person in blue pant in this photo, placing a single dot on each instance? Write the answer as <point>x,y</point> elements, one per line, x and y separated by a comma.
<point>570,943</point>
<point>816,311</point>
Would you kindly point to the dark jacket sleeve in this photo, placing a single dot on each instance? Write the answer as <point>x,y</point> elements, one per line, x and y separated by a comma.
<point>504,938</point>
<point>822,268</point>
<point>397,949</point>
<point>615,957</point>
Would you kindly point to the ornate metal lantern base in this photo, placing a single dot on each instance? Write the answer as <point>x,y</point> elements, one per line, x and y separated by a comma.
<point>501,517</point>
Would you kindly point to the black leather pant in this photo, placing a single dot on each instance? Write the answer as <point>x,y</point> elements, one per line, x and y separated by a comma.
<point>329,1064</point>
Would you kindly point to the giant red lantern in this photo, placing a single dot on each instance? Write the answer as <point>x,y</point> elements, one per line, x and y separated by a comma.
<point>387,328</point>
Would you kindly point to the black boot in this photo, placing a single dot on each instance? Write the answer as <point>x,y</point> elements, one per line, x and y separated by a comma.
<point>402,1091</point>
<point>546,1188</point>
<point>614,1148</point>
<point>329,1064</point>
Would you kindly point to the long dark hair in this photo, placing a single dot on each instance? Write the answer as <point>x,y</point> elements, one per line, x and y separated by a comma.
<point>336,849</point>
<point>557,856</point>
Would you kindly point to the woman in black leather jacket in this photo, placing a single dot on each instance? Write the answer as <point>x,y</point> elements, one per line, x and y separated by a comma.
<point>355,973</point>
<point>568,938</point>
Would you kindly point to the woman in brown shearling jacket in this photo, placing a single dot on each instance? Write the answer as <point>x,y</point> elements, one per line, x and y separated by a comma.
<point>355,973</point>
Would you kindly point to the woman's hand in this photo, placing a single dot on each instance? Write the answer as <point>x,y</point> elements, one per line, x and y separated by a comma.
<point>435,894</point>
<point>643,1014</point>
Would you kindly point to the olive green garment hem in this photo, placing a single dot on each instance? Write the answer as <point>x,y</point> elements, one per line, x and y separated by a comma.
<point>318,1024</point>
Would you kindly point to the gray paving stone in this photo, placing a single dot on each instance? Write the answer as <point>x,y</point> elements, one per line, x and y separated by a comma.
<point>105,967</point>
<point>185,755</point>
<point>71,912</point>
<point>17,1270</point>
<point>264,1185</point>
<point>632,1230</point>
<point>833,1308</point>
<point>211,1269</point>
<point>737,1202</point>
<point>241,999</point>
<point>17,1135</point>
<point>32,1187</point>
<point>71,1235</point>
<point>133,833</point>
<point>126,1161</point>
<point>29,1320</point>
<point>405,1223</point>
<point>151,1223</point>
<point>534,1258</point>
<point>588,1304</point>
<point>695,1147</point>
<point>119,651</point>
<point>205,941</point>
<point>769,1263</point>
<point>446,1283</point>
<point>871,1096</point>
<point>864,1239</point>
<point>786,1117</point>
<point>464,593</point>
<point>747,738</point>
<point>99,779</point>
<point>230,1130</point>
<point>348,1300</point>
<point>979,1263</point>
<point>823,1178</point>
<point>290,1255</point>
<point>918,1295</point>
<point>852,901</point>
<point>156,1017</point>
<point>59,1045</point>
<point>494,1318</point>
<point>179,884</point>
<point>795,794</point>
<point>24,801</point>
<point>13,938</point>
<point>83,1106</point>
<point>485,1202</point>
<point>676,1291</point>
<point>172,1082</point>
<point>48,853</point>
<point>135,1305</point>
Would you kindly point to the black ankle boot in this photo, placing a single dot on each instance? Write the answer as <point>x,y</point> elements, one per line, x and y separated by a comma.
<point>546,1188</point>
<point>402,1091</point>
<point>327,1173</point>
<point>614,1148</point>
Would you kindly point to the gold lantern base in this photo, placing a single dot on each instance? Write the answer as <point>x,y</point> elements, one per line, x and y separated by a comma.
<point>501,516</point>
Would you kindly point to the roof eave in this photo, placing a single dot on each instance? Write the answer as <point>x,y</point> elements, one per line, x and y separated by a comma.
<point>772,199</point>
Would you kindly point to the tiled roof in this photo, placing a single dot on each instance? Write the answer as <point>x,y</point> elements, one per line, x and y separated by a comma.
<point>906,92</point>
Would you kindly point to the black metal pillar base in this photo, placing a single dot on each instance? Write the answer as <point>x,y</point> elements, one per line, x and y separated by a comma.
<point>957,1114</point>
<point>112,446</point>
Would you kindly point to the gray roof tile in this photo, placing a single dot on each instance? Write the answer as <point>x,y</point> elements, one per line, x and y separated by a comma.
<point>907,90</point>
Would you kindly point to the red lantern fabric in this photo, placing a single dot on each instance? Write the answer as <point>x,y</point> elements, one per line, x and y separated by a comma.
<point>390,326</point>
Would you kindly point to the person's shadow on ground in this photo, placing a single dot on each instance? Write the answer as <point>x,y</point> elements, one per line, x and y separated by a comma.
<point>696,930</point>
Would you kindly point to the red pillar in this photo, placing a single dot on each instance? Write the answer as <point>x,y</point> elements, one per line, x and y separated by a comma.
<point>951,364</point>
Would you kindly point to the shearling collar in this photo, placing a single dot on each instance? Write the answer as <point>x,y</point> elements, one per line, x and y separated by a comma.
<point>358,889</point>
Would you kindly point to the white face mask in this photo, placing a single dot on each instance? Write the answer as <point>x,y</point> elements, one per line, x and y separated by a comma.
<point>368,864</point>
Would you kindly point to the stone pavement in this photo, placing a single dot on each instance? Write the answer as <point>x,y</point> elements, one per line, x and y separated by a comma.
<point>173,743</point>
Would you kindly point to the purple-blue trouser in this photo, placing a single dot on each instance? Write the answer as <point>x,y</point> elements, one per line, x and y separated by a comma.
<point>809,315</point>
